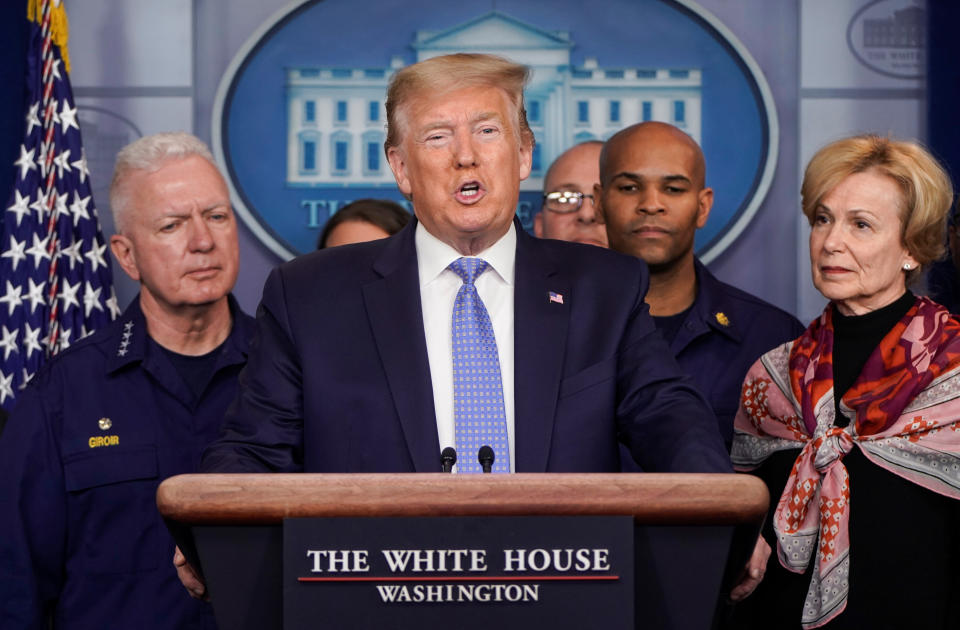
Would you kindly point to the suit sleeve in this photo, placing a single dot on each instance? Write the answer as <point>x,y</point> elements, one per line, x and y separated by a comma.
<point>33,514</point>
<point>663,420</point>
<point>263,428</point>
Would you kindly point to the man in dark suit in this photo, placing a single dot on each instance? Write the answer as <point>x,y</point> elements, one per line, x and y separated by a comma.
<point>352,369</point>
<point>355,365</point>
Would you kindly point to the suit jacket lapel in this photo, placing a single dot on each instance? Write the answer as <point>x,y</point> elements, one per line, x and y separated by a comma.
<point>393,307</point>
<point>540,333</point>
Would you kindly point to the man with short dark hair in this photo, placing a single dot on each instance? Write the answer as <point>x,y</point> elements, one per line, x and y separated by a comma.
<point>569,212</point>
<point>101,426</point>
<point>652,198</point>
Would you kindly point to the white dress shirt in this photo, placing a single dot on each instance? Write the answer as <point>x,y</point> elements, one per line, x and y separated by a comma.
<point>438,290</point>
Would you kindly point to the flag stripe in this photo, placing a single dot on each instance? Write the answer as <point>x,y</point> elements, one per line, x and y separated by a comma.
<point>55,277</point>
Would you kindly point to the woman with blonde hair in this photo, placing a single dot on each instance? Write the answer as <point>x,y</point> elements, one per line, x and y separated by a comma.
<point>855,426</point>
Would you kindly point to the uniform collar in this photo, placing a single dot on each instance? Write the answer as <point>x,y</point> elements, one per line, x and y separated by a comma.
<point>129,340</point>
<point>713,307</point>
<point>711,311</point>
<point>128,343</point>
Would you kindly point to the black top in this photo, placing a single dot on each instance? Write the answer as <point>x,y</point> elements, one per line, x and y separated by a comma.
<point>669,325</point>
<point>903,543</point>
<point>854,338</point>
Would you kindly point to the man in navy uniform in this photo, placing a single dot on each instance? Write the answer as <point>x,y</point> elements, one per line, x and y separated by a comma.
<point>104,423</point>
<point>652,197</point>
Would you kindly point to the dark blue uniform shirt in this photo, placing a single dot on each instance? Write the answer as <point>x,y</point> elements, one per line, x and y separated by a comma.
<point>725,331</point>
<point>87,445</point>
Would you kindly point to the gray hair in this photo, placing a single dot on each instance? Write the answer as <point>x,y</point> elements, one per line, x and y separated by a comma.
<point>149,154</point>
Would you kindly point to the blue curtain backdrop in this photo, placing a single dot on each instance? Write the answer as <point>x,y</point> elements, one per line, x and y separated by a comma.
<point>943,84</point>
<point>13,53</point>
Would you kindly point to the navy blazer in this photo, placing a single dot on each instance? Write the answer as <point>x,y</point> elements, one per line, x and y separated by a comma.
<point>338,378</point>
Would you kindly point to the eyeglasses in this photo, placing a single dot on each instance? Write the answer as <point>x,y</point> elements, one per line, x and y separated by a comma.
<point>565,201</point>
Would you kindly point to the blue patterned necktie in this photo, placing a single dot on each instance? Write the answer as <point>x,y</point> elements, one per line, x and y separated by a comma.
<point>478,413</point>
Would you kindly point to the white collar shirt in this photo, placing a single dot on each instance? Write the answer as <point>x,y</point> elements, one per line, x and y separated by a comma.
<point>438,290</point>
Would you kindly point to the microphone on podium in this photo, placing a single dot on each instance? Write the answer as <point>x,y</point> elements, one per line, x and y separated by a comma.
<point>486,456</point>
<point>448,457</point>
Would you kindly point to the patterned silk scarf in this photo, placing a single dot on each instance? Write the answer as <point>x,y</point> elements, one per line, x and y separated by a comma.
<point>905,417</point>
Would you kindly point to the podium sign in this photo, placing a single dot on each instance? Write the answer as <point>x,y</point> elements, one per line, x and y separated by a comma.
<point>682,527</point>
<point>479,572</point>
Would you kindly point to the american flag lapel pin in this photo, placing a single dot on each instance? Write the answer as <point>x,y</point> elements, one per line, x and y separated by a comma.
<point>555,297</point>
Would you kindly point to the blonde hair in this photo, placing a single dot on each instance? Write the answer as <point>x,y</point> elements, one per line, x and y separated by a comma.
<point>925,187</point>
<point>149,153</point>
<point>453,72</point>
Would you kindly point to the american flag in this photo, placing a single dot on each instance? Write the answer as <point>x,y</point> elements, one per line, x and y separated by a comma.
<point>55,279</point>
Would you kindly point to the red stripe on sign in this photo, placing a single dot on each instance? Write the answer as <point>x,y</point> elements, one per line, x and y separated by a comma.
<point>525,578</point>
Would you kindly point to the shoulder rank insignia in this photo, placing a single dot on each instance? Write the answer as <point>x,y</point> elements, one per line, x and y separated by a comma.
<point>125,342</point>
<point>722,319</point>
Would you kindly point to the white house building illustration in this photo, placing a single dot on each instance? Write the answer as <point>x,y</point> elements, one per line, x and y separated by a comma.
<point>336,117</point>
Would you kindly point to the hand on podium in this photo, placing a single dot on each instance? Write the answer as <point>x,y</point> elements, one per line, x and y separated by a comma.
<point>752,573</point>
<point>189,578</point>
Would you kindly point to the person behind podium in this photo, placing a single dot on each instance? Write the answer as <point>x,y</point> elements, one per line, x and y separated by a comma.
<point>365,354</point>
<point>81,542</point>
<point>855,425</point>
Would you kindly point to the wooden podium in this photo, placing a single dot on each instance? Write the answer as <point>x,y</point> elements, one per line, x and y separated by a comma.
<point>694,531</point>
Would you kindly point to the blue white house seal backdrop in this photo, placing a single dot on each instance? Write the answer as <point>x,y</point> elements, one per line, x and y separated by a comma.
<point>299,119</point>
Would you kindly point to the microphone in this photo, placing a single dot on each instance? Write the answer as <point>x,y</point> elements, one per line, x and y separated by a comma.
<point>448,457</point>
<point>485,456</point>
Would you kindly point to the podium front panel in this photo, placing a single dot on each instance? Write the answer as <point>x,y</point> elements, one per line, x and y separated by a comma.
<point>469,573</point>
